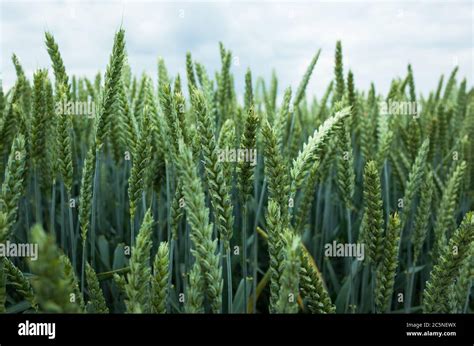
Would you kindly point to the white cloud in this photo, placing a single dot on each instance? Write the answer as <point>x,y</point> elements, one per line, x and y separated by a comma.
<point>379,38</point>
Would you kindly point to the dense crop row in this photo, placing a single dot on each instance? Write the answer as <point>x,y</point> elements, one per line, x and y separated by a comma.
<point>151,198</point>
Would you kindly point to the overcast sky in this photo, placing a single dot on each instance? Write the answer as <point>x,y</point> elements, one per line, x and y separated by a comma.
<point>379,38</point>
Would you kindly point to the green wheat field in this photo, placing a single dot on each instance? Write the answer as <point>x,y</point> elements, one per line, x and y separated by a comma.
<point>176,197</point>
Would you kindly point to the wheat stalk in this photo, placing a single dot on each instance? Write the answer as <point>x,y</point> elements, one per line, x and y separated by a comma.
<point>372,222</point>
<point>52,286</point>
<point>137,288</point>
<point>198,217</point>
<point>448,266</point>
<point>385,275</point>
<point>12,187</point>
<point>313,146</point>
<point>218,190</point>
<point>289,279</point>
<point>96,303</point>
<point>159,280</point>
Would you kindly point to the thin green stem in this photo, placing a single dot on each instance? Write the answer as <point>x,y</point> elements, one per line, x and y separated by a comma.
<point>410,281</point>
<point>373,288</point>
<point>244,253</point>
<point>72,237</point>
<point>63,230</point>
<point>52,212</point>
<point>229,280</point>
<point>132,230</point>
<point>387,200</point>
<point>170,276</point>
<point>94,206</point>
<point>349,236</point>
<point>363,291</point>
<point>83,268</point>
<point>38,211</point>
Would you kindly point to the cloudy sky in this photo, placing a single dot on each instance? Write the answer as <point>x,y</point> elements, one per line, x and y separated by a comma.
<point>379,37</point>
